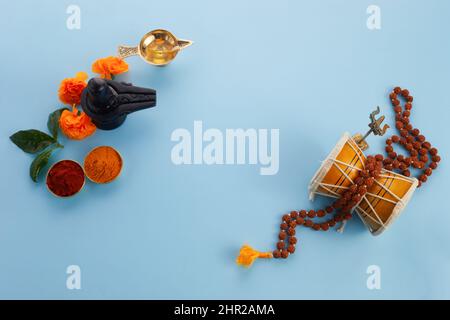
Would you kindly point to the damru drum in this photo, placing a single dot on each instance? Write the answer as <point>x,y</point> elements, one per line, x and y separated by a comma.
<point>385,199</point>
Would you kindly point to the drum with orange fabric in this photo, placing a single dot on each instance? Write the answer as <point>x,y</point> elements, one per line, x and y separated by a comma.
<point>385,199</point>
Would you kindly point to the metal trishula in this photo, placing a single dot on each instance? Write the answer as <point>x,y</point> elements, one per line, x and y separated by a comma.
<point>375,128</point>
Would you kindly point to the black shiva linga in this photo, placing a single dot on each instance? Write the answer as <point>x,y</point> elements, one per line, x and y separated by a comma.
<point>108,102</point>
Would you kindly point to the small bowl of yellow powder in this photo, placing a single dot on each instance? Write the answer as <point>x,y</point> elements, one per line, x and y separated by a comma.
<point>103,164</point>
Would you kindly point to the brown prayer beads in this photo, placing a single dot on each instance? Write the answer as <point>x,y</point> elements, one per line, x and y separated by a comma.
<point>420,153</point>
<point>414,142</point>
<point>349,199</point>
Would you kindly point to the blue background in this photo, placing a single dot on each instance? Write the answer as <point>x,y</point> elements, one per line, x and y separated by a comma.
<point>310,68</point>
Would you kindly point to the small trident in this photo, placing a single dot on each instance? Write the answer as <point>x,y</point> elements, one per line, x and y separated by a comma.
<point>375,125</point>
<point>375,128</point>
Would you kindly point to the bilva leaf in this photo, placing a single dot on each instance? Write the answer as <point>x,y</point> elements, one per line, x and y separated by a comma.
<point>32,141</point>
<point>40,162</point>
<point>53,122</point>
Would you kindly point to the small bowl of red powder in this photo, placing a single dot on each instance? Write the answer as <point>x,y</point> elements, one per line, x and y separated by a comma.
<point>65,178</point>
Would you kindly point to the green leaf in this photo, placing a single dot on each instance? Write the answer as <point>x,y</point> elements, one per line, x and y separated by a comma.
<point>40,162</point>
<point>53,122</point>
<point>32,141</point>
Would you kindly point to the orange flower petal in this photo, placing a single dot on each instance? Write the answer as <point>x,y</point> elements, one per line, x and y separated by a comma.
<point>83,76</point>
<point>70,89</point>
<point>76,126</point>
<point>109,66</point>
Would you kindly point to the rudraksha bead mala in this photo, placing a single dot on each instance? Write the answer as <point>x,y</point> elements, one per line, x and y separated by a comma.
<point>422,156</point>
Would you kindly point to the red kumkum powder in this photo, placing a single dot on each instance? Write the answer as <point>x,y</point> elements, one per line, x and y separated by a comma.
<point>65,178</point>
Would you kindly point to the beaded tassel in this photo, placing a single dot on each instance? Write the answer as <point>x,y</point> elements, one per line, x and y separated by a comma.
<point>248,255</point>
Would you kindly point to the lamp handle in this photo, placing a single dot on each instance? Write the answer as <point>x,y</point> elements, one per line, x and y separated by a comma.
<point>126,51</point>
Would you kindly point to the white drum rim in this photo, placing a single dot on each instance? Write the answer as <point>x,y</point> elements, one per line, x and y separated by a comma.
<point>398,209</point>
<point>326,165</point>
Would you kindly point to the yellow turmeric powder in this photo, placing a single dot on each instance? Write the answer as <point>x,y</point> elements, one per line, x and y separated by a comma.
<point>103,164</point>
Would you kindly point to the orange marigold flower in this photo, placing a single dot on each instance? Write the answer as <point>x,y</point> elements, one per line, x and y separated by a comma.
<point>71,88</point>
<point>76,125</point>
<point>109,66</point>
